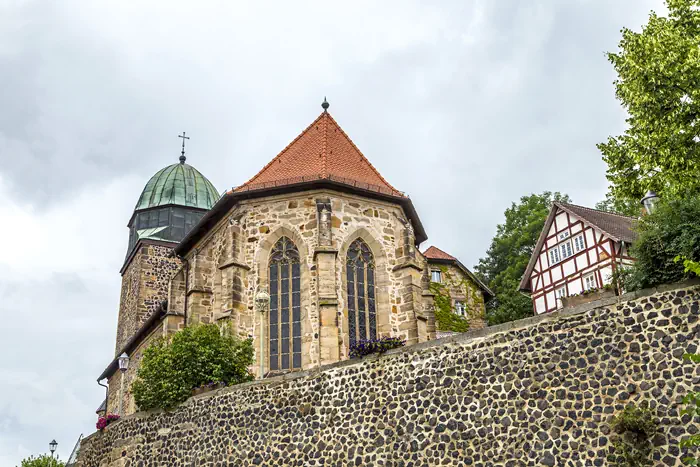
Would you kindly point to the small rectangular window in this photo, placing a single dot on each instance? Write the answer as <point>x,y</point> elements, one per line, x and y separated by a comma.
<point>563,235</point>
<point>554,257</point>
<point>559,294</point>
<point>566,250</point>
<point>460,308</point>
<point>589,282</point>
<point>579,244</point>
<point>436,276</point>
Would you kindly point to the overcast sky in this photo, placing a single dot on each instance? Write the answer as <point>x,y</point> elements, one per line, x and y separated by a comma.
<point>464,105</point>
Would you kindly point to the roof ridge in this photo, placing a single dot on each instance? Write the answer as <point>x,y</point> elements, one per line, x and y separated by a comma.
<point>283,151</point>
<point>596,210</point>
<point>324,147</point>
<point>361,154</point>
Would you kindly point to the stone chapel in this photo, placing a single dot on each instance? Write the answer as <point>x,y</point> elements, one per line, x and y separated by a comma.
<point>313,253</point>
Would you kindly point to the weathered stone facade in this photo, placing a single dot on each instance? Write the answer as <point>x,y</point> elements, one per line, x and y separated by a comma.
<point>462,288</point>
<point>227,268</point>
<point>539,391</point>
<point>145,281</point>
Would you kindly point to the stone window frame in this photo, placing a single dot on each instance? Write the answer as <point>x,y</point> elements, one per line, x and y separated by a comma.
<point>436,273</point>
<point>382,285</point>
<point>262,256</point>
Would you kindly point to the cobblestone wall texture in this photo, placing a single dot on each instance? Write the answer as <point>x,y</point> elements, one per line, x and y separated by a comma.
<point>539,391</point>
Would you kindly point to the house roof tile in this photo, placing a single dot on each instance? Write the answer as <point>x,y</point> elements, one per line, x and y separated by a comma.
<point>322,151</point>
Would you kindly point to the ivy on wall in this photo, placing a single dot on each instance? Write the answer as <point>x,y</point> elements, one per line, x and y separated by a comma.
<point>445,317</point>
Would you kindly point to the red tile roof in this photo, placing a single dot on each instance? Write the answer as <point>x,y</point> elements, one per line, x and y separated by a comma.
<point>436,253</point>
<point>321,151</point>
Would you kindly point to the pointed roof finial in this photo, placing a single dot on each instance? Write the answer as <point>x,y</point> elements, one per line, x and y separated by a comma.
<point>182,154</point>
<point>325,104</point>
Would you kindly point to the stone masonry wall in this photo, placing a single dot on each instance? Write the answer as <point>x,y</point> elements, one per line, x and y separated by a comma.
<point>144,285</point>
<point>461,287</point>
<point>229,265</point>
<point>539,391</point>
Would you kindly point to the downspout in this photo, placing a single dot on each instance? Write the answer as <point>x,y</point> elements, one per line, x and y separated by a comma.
<point>187,278</point>
<point>106,394</point>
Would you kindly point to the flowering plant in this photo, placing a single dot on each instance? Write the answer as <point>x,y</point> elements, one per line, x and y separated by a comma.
<point>104,421</point>
<point>369,346</point>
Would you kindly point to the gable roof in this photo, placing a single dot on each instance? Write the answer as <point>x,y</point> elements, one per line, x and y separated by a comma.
<point>616,226</point>
<point>436,255</point>
<point>323,151</point>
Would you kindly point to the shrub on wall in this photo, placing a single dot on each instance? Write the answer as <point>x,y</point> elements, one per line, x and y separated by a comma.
<point>195,356</point>
<point>634,427</point>
<point>672,230</point>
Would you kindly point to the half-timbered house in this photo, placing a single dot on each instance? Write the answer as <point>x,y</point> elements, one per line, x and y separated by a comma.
<point>578,249</point>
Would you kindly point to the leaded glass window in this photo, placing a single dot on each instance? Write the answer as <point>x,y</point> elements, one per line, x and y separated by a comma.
<point>285,306</point>
<point>362,311</point>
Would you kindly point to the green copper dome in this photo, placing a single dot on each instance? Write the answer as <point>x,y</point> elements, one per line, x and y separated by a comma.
<point>178,184</point>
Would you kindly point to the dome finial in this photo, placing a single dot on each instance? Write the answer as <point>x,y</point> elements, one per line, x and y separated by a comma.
<point>325,104</point>
<point>182,154</point>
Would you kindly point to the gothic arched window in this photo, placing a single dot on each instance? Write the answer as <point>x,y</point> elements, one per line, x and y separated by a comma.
<point>285,306</point>
<point>362,313</point>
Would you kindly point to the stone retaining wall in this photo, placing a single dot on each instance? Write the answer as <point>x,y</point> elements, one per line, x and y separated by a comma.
<point>539,391</point>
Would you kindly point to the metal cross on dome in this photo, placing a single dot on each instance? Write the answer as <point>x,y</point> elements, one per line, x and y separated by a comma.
<point>182,154</point>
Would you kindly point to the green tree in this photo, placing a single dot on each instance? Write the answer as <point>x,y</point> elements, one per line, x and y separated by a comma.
<point>672,230</point>
<point>42,461</point>
<point>191,358</point>
<point>509,253</point>
<point>659,85</point>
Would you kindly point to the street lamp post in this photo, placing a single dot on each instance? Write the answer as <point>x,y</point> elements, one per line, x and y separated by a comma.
<point>262,301</point>
<point>649,201</point>
<point>123,366</point>
<point>52,447</point>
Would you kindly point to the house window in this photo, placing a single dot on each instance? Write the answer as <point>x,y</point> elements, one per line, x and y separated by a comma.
<point>565,250</point>
<point>554,257</point>
<point>285,306</point>
<point>589,282</point>
<point>563,235</point>
<point>579,244</point>
<point>559,294</point>
<point>436,276</point>
<point>460,308</point>
<point>362,311</point>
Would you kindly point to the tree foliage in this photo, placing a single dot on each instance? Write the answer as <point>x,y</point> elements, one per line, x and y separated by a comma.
<point>659,85</point>
<point>671,231</point>
<point>509,253</point>
<point>191,358</point>
<point>42,461</point>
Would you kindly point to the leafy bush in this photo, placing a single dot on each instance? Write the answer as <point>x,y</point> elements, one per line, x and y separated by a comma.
<point>672,230</point>
<point>369,346</point>
<point>193,357</point>
<point>42,461</point>
<point>635,427</point>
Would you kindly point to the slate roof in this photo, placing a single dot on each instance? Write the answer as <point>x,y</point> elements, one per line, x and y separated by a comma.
<point>323,151</point>
<point>436,255</point>
<point>616,226</point>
